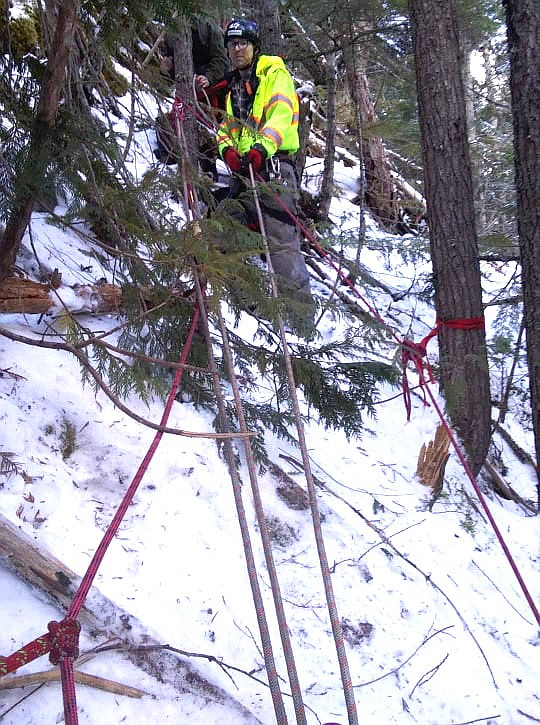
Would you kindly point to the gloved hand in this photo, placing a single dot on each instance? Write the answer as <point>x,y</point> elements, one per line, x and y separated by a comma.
<point>256,156</point>
<point>232,159</point>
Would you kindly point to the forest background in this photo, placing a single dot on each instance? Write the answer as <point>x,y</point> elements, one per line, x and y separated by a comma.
<point>387,86</point>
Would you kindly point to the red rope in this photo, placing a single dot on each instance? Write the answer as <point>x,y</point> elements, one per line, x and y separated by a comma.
<point>69,697</point>
<point>488,513</point>
<point>86,583</point>
<point>31,651</point>
<point>62,640</point>
<point>415,352</point>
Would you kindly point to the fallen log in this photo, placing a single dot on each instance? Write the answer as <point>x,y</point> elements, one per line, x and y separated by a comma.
<point>20,295</point>
<point>25,296</point>
<point>103,619</point>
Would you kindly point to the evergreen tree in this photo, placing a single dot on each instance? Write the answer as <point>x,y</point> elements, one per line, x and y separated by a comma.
<point>454,249</point>
<point>523,28</point>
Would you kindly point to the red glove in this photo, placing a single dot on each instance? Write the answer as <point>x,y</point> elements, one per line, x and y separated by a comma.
<point>256,157</point>
<point>232,159</point>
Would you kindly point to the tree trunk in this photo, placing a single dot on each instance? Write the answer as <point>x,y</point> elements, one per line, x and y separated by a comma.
<point>380,197</point>
<point>49,100</point>
<point>453,241</point>
<point>186,124</point>
<point>105,620</point>
<point>304,128</point>
<point>268,20</point>
<point>327,183</point>
<point>523,31</point>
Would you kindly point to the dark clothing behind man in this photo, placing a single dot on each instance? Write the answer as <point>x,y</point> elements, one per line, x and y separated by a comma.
<point>209,54</point>
<point>210,64</point>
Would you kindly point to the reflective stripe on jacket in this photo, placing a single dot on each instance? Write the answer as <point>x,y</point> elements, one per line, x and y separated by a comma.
<point>273,120</point>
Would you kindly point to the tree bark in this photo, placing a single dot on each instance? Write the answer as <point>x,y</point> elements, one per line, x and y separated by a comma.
<point>186,124</point>
<point>49,101</point>
<point>523,32</point>
<point>327,183</point>
<point>377,183</point>
<point>105,620</point>
<point>268,20</point>
<point>19,295</point>
<point>453,241</point>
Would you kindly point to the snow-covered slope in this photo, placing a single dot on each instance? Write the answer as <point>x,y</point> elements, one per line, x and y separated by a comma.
<point>438,631</point>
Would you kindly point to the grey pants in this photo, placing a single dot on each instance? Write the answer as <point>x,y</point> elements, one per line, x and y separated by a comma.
<point>277,198</point>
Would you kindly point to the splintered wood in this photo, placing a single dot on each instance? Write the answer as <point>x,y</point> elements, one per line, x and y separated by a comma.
<point>432,460</point>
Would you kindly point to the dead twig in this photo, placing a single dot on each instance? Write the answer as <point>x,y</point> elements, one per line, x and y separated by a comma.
<point>82,678</point>
<point>122,647</point>
<point>426,677</point>
<point>478,719</point>
<point>521,454</point>
<point>7,371</point>
<point>531,717</point>
<point>19,701</point>
<point>409,658</point>
<point>490,580</point>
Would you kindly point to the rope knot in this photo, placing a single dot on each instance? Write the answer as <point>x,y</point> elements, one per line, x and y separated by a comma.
<point>179,109</point>
<point>413,352</point>
<point>64,639</point>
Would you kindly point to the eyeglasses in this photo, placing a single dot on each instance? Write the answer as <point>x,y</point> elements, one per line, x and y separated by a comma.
<point>240,44</point>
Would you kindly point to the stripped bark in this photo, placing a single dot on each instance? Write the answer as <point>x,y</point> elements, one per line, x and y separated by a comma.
<point>18,295</point>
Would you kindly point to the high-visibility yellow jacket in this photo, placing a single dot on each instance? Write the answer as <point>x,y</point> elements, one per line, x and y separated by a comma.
<point>273,120</point>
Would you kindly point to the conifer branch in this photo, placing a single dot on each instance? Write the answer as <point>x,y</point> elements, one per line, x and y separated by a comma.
<point>83,360</point>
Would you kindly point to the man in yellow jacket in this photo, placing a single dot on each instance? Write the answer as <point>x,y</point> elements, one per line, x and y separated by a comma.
<point>261,129</point>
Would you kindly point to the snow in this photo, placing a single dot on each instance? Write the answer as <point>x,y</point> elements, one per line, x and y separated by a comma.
<point>438,629</point>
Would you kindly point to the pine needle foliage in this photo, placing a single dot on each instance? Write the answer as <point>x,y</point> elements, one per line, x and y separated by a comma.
<point>153,254</point>
<point>342,393</point>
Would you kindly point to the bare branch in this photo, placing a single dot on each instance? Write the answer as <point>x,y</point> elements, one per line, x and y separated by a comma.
<point>426,677</point>
<point>82,678</point>
<point>108,392</point>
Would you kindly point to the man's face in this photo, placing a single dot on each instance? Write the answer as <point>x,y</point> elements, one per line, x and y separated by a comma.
<point>241,53</point>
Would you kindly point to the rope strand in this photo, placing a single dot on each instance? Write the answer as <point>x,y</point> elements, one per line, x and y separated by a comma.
<point>296,690</point>
<point>315,514</point>
<point>264,631</point>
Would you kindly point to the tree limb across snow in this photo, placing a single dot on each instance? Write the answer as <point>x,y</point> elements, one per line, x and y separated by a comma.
<point>103,619</point>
